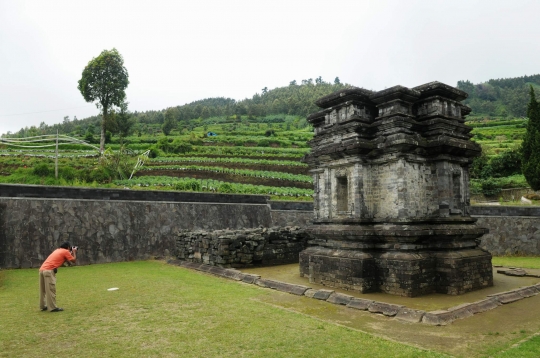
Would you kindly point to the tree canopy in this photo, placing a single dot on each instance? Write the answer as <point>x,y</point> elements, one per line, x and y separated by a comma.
<point>499,97</point>
<point>104,81</point>
<point>530,148</point>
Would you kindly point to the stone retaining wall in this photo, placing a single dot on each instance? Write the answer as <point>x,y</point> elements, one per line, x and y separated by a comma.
<point>242,248</point>
<point>512,230</point>
<point>110,231</point>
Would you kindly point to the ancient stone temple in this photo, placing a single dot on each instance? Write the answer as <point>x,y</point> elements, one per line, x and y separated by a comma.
<point>391,175</point>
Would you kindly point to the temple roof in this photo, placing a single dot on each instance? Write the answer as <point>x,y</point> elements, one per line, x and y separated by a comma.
<point>349,94</point>
<point>393,93</point>
<point>362,95</point>
<point>436,88</point>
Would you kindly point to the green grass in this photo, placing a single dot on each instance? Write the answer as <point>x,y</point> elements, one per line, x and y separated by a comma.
<point>528,349</point>
<point>167,311</point>
<point>532,262</point>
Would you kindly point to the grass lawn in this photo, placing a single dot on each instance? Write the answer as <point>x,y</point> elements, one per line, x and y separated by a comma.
<point>532,262</point>
<point>166,311</point>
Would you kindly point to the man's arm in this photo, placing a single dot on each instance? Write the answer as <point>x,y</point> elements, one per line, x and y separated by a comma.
<point>73,255</point>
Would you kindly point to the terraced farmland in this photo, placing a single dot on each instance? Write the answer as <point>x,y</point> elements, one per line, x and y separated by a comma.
<point>229,164</point>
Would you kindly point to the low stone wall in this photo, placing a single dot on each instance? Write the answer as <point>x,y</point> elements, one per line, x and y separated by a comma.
<point>512,230</point>
<point>242,248</point>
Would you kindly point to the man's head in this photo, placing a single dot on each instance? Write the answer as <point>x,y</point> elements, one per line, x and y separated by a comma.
<point>66,245</point>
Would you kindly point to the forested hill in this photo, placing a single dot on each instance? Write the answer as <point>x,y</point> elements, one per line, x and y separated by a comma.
<point>495,98</point>
<point>505,97</point>
<point>294,99</point>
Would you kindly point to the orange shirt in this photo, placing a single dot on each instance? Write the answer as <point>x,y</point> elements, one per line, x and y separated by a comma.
<point>56,259</point>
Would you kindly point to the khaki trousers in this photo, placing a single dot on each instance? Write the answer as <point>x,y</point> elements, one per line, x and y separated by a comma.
<point>47,289</point>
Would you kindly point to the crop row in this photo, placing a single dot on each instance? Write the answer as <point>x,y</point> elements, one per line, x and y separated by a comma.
<point>227,160</point>
<point>190,184</point>
<point>60,155</point>
<point>242,172</point>
<point>252,151</point>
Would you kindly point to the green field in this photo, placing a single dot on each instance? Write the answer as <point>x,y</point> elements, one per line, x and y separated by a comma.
<point>168,311</point>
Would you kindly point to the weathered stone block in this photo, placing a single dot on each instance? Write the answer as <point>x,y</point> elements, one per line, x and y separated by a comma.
<point>438,318</point>
<point>484,305</point>
<point>282,286</point>
<point>249,278</point>
<point>339,298</point>
<point>359,304</point>
<point>507,297</point>
<point>322,294</point>
<point>386,309</point>
<point>527,291</point>
<point>410,315</point>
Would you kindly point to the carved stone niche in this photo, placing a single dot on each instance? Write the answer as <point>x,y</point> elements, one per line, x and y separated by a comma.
<point>390,172</point>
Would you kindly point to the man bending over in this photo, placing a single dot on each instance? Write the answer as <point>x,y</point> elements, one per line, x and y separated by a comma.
<point>47,276</point>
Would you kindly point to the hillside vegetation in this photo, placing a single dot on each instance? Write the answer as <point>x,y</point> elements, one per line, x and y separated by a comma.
<point>250,146</point>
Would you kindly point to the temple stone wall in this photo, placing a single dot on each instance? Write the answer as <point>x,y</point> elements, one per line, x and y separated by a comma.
<point>242,248</point>
<point>390,172</point>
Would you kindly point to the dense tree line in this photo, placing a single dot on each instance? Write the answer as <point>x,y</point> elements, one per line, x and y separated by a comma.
<point>506,97</point>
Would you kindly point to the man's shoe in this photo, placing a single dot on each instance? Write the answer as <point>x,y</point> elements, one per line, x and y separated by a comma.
<point>57,309</point>
<point>44,309</point>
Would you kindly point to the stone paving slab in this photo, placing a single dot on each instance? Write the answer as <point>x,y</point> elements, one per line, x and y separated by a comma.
<point>461,311</point>
<point>387,309</point>
<point>527,291</point>
<point>248,278</point>
<point>282,286</point>
<point>399,312</point>
<point>360,303</point>
<point>339,298</point>
<point>410,315</point>
<point>507,297</point>
<point>484,305</point>
<point>437,318</point>
<point>323,294</point>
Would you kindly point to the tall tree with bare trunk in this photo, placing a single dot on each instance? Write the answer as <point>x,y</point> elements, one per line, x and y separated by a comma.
<point>104,81</point>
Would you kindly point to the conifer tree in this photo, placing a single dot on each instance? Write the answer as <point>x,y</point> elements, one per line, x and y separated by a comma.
<point>530,148</point>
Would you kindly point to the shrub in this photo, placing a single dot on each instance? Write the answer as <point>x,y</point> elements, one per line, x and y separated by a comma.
<point>68,173</point>
<point>490,187</point>
<point>41,170</point>
<point>164,145</point>
<point>506,164</point>
<point>180,146</point>
<point>154,152</point>
<point>100,175</point>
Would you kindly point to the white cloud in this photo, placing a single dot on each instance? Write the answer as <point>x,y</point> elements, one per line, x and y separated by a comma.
<point>180,51</point>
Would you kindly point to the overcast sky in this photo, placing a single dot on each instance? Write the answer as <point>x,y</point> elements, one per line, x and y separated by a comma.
<point>177,52</point>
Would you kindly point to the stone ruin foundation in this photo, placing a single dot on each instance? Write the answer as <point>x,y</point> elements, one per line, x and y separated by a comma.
<point>391,175</point>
